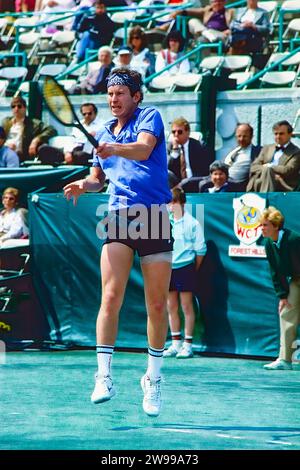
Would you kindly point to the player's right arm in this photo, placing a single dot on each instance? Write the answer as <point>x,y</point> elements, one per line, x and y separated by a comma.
<point>93,183</point>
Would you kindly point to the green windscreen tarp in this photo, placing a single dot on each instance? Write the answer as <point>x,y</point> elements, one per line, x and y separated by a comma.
<point>238,307</point>
<point>34,178</point>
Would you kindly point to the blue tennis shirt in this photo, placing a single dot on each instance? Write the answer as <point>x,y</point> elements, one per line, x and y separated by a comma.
<point>130,181</point>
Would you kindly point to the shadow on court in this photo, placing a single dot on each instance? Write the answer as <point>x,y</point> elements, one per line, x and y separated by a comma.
<point>209,403</point>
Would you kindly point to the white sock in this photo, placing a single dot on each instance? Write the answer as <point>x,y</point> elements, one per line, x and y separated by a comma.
<point>155,359</point>
<point>176,343</point>
<point>104,357</point>
<point>188,344</point>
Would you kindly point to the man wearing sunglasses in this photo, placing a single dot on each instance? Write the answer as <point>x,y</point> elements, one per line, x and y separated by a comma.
<point>25,135</point>
<point>188,159</point>
<point>82,149</point>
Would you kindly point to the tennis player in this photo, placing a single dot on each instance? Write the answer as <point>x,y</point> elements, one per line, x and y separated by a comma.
<point>132,155</point>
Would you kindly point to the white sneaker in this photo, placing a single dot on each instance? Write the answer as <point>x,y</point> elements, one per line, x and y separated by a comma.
<point>171,351</point>
<point>104,389</point>
<point>279,364</point>
<point>185,352</point>
<point>152,395</point>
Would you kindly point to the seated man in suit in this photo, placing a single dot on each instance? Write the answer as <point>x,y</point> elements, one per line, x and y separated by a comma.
<point>240,158</point>
<point>249,29</point>
<point>277,166</point>
<point>95,81</point>
<point>188,159</point>
<point>218,179</point>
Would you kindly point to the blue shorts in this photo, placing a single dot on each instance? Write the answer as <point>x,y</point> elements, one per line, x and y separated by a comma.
<point>183,279</point>
<point>147,235</point>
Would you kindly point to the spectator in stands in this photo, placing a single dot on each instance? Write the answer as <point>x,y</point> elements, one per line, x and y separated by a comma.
<point>25,135</point>
<point>12,221</point>
<point>82,150</point>
<point>210,22</point>
<point>80,9</point>
<point>241,157</point>
<point>218,179</point>
<point>188,159</point>
<point>142,59</point>
<point>23,6</point>
<point>188,252</point>
<point>283,254</point>
<point>95,81</point>
<point>124,57</point>
<point>52,6</point>
<point>277,166</point>
<point>249,29</point>
<point>97,30</point>
<point>8,157</point>
<point>174,50</point>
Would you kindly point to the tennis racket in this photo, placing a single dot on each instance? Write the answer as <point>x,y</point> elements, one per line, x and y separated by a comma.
<point>60,107</point>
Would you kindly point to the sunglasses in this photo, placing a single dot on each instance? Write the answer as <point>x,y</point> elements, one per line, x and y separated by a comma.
<point>179,131</point>
<point>136,37</point>
<point>19,106</point>
<point>87,114</point>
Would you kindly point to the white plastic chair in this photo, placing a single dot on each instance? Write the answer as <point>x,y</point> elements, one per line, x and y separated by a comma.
<point>240,77</point>
<point>290,5</point>
<point>67,84</point>
<point>63,142</point>
<point>269,6</point>
<point>187,80</point>
<point>120,17</point>
<point>13,73</point>
<point>3,24</point>
<point>63,37</point>
<point>28,39</point>
<point>282,79</point>
<point>51,69</point>
<point>211,63</point>
<point>163,82</point>
<point>3,86</point>
<point>292,61</point>
<point>237,62</point>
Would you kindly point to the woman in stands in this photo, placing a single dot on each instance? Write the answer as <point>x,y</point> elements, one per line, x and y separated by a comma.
<point>175,45</point>
<point>12,219</point>
<point>142,59</point>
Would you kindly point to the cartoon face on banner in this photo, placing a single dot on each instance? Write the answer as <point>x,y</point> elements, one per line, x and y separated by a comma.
<point>247,212</point>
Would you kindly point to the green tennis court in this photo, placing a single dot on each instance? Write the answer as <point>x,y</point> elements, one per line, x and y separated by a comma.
<point>208,403</point>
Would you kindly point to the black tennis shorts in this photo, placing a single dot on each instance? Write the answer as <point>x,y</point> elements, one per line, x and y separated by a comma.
<point>148,231</point>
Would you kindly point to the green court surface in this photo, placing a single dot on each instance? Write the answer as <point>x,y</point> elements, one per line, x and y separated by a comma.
<point>209,403</point>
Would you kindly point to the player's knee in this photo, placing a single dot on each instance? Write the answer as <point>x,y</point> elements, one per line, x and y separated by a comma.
<point>157,308</point>
<point>111,299</point>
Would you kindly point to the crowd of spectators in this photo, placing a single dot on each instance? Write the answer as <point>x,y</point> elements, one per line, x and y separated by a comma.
<point>245,30</point>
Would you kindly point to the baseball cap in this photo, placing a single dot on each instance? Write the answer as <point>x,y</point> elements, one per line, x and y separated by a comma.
<point>124,50</point>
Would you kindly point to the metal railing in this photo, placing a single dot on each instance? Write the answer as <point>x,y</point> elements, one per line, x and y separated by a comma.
<point>16,55</point>
<point>169,9</point>
<point>197,49</point>
<point>267,69</point>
